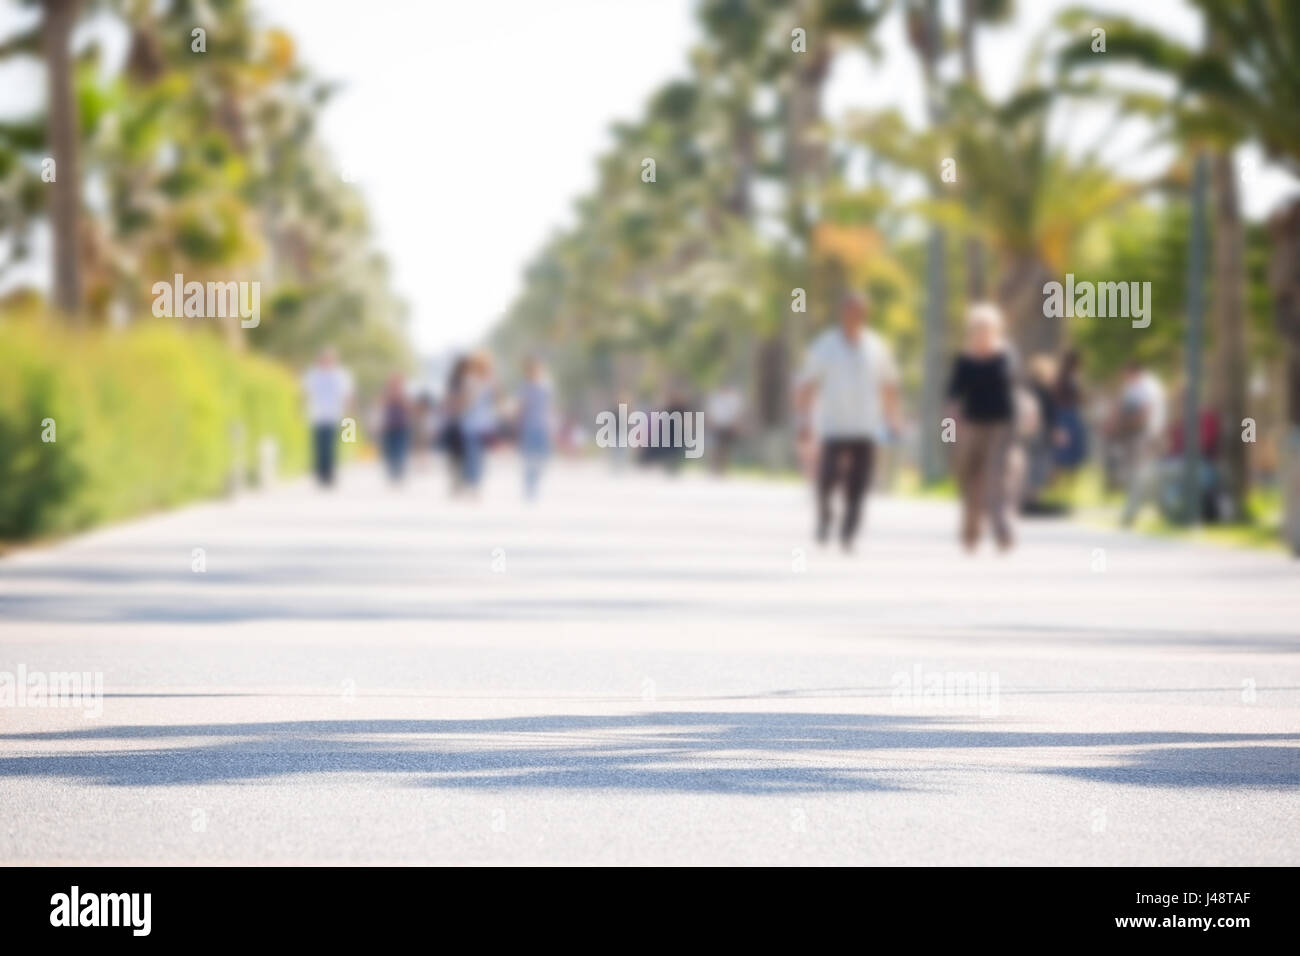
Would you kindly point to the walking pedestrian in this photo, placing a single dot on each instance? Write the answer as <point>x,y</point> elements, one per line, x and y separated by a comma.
<point>1039,442</point>
<point>395,428</point>
<point>478,420</point>
<point>981,390</point>
<point>1141,427</point>
<point>723,412</point>
<point>451,438</point>
<point>328,389</point>
<point>1070,439</point>
<point>850,380</point>
<point>534,424</point>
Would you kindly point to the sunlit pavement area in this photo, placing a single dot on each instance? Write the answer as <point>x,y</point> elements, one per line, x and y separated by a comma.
<point>641,669</point>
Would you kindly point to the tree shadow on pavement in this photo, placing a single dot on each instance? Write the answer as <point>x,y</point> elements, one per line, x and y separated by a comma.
<point>699,752</point>
<point>1236,767</point>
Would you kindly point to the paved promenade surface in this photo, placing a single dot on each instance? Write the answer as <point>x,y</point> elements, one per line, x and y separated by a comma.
<point>644,670</point>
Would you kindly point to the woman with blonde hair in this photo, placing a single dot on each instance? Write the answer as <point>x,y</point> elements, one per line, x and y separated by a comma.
<point>981,393</point>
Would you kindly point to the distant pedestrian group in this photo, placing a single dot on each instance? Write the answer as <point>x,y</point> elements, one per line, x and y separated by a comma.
<point>473,415</point>
<point>1018,430</point>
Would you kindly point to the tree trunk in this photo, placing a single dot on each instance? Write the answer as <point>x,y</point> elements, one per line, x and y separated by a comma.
<point>773,373</point>
<point>1284,283</point>
<point>974,249</point>
<point>806,158</point>
<point>926,37</point>
<point>744,144</point>
<point>805,168</point>
<point>968,66</point>
<point>1020,294</point>
<point>1228,394</point>
<point>65,196</point>
<point>975,284</point>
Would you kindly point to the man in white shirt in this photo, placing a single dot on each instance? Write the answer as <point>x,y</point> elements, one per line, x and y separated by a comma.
<point>850,376</point>
<point>328,388</point>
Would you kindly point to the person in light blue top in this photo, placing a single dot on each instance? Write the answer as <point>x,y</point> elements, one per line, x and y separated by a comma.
<point>477,419</point>
<point>534,424</point>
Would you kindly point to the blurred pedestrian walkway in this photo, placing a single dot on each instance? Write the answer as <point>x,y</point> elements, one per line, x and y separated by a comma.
<point>642,669</point>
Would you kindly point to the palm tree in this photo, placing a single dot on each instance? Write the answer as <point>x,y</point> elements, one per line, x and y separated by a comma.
<point>924,31</point>
<point>22,193</point>
<point>65,198</point>
<point>974,13</point>
<point>828,24</point>
<point>1025,199</point>
<point>1243,86</point>
<point>1284,280</point>
<point>1228,315</point>
<point>1130,43</point>
<point>736,57</point>
<point>51,38</point>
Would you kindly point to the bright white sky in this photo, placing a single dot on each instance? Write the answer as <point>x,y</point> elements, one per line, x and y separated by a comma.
<point>472,127</point>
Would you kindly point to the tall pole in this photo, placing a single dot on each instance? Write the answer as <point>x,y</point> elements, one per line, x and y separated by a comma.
<point>65,192</point>
<point>932,349</point>
<point>1195,321</point>
<point>936,285</point>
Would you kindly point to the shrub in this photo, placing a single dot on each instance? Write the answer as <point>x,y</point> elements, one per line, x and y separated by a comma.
<point>144,419</point>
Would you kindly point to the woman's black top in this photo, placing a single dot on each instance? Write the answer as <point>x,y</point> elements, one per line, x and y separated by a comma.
<point>983,387</point>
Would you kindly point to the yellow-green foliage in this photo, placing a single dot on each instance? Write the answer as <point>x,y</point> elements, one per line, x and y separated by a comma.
<point>145,418</point>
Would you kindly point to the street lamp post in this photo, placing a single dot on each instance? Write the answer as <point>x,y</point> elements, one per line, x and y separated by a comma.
<point>1195,321</point>
<point>936,286</point>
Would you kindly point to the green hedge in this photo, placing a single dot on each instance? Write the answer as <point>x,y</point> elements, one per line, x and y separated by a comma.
<point>147,418</point>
